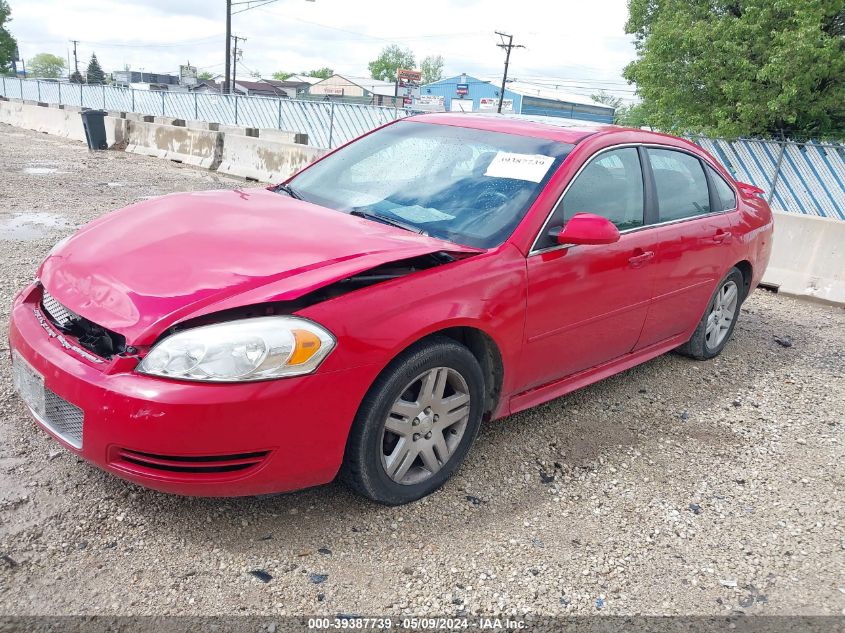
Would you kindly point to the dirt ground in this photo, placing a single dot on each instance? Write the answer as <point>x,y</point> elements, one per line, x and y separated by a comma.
<point>677,487</point>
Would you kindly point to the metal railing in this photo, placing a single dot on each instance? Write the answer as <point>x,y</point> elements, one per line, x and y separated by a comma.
<point>327,124</point>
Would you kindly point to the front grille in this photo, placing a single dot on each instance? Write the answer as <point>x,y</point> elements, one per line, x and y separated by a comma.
<point>63,418</point>
<point>93,337</point>
<point>59,314</point>
<point>194,464</point>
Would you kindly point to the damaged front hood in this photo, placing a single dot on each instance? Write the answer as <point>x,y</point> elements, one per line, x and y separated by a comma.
<point>139,270</point>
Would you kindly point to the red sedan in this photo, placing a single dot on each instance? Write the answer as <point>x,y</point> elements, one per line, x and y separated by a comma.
<point>364,317</point>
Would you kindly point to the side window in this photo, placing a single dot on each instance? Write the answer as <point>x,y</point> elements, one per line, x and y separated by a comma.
<point>726,195</point>
<point>611,185</point>
<point>681,185</point>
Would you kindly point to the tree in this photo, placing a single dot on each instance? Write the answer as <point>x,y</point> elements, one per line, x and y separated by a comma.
<point>46,65</point>
<point>391,59</point>
<point>740,67</point>
<point>205,76</point>
<point>8,44</point>
<point>620,110</point>
<point>76,77</point>
<point>634,115</point>
<point>432,69</point>
<point>281,75</point>
<point>94,74</point>
<point>322,73</point>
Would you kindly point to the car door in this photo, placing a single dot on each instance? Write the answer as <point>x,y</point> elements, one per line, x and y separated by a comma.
<point>586,305</point>
<point>695,232</point>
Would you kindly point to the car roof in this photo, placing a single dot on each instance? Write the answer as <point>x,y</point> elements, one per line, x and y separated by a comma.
<point>552,128</point>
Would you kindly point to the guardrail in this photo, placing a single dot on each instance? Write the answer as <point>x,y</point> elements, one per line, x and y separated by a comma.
<point>327,124</point>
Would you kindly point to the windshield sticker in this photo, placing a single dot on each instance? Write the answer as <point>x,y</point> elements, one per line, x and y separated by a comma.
<point>416,213</point>
<point>530,167</point>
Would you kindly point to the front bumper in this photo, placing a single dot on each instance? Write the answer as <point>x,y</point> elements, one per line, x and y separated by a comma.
<point>194,438</point>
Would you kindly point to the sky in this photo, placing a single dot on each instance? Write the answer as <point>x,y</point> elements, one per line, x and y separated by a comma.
<point>581,46</point>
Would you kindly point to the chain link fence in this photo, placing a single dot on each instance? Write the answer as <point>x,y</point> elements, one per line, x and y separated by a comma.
<point>327,124</point>
<point>798,177</point>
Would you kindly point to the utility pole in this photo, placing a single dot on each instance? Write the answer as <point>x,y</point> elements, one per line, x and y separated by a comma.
<point>75,60</point>
<point>508,47</point>
<point>235,62</point>
<point>250,4</point>
<point>228,46</point>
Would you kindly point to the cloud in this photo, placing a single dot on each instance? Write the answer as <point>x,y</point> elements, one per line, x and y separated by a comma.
<point>568,40</point>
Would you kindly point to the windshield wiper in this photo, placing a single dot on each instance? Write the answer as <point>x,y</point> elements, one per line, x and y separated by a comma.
<point>293,193</point>
<point>377,217</point>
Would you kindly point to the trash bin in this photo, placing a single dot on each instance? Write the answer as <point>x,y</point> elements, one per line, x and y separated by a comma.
<point>95,128</point>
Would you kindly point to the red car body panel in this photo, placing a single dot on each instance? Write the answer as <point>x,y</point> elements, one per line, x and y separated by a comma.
<point>118,271</point>
<point>557,320</point>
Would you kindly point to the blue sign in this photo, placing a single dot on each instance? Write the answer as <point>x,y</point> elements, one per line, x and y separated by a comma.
<point>463,89</point>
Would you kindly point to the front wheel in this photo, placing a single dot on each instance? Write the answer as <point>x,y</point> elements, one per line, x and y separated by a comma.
<point>716,326</point>
<point>416,424</point>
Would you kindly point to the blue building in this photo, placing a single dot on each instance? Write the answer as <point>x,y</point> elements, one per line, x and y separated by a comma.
<point>465,93</point>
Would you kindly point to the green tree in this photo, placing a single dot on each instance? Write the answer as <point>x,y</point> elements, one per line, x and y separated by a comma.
<point>620,110</point>
<point>322,73</point>
<point>76,77</point>
<point>46,65</point>
<point>94,74</point>
<point>205,76</point>
<point>740,67</point>
<point>391,59</point>
<point>281,75</point>
<point>8,44</point>
<point>432,69</point>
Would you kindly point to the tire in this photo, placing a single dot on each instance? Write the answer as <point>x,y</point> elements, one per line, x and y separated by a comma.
<point>394,453</point>
<point>705,342</point>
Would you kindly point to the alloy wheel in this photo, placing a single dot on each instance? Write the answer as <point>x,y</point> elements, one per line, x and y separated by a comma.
<point>722,314</point>
<point>425,425</point>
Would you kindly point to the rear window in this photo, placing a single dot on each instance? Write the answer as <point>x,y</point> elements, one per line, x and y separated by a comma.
<point>726,196</point>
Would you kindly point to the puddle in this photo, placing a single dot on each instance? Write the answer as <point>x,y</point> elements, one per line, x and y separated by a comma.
<point>38,171</point>
<point>31,226</point>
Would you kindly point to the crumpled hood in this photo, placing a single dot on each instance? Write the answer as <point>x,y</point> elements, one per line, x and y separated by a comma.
<point>139,270</point>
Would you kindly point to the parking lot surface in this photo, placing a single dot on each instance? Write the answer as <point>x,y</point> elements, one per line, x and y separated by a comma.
<point>678,487</point>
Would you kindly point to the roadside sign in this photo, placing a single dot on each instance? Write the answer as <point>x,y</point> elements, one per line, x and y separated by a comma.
<point>462,89</point>
<point>408,76</point>
<point>488,103</point>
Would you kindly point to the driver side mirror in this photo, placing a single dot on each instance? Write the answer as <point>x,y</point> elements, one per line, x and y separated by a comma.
<point>588,228</point>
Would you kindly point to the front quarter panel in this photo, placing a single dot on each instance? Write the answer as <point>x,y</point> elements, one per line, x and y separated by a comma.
<point>375,324</point>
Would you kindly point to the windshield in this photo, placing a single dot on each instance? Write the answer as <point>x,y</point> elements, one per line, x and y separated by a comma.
<point>459,184</point>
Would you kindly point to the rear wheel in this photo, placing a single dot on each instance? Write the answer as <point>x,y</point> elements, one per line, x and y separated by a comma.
<point>716,326</point>
<point>416,424</point>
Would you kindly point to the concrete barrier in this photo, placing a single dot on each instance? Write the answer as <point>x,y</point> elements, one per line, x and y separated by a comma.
<point>117,130</point>
<point>202,125</point>
<point>46,119</point>
<point>263,160</point>
<point>166,120</point>
<point>238,130</point>
<point>808,257</point>
<point>201,148</point>
<point>283,136</point>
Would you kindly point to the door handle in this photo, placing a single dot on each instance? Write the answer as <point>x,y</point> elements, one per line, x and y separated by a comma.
<point>722,236</point>
<point>640,259</point>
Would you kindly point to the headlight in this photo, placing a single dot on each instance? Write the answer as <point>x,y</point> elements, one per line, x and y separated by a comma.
<point>250,349</point>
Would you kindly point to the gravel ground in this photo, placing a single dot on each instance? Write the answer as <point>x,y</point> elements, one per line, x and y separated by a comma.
<point>677,487</point>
